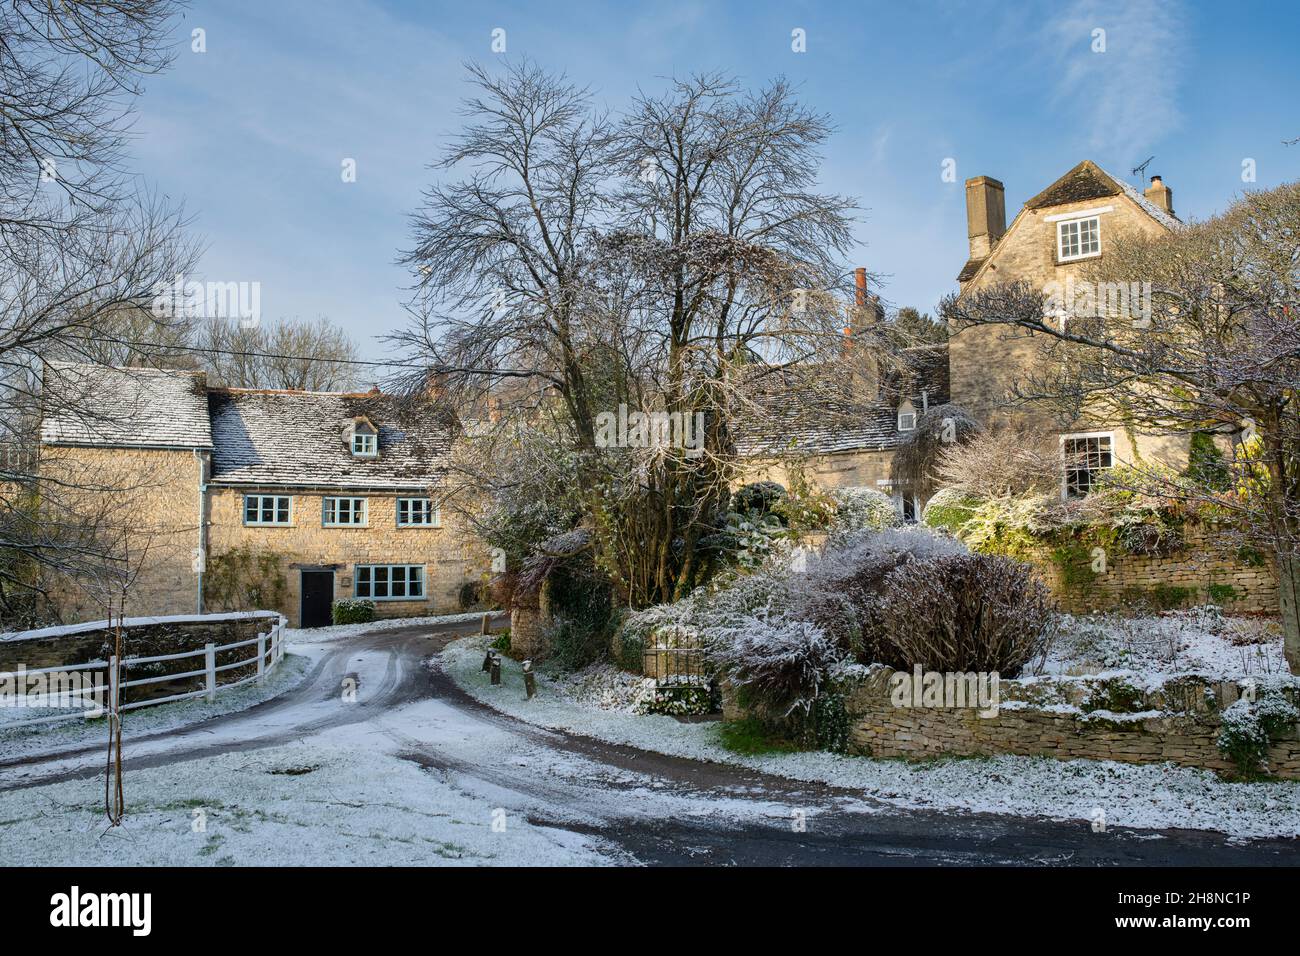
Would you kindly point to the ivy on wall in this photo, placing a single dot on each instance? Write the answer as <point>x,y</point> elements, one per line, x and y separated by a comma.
<point>244,579</point>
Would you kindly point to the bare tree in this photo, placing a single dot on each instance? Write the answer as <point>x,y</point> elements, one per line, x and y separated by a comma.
<point>658,262</point>
<point>1217,350</point>
<point>315,355</point>
<point>83,248</point>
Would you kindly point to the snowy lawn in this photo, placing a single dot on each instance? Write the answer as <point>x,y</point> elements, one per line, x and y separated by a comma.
<point>302,804</point>
<point>1148,796</point>
<point>1200,640</point>
<point>42,738</point>
<point>320,635</point>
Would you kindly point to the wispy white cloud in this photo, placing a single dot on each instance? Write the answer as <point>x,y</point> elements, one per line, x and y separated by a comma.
<point>1120,87</point>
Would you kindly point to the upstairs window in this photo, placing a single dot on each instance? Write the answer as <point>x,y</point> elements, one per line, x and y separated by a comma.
<point>1078,238</point>
<point>344,512</point>
<point>417,513</point>
<point>907,418</point>
<point>365,444</point>
<point>267,509</point>
<point>1086,458</point>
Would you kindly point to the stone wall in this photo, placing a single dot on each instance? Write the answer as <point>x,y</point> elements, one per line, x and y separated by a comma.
<point>863,468</point>
<point>449,554</point>
<point>143,637</point>
<point>142,507</point>
<point>1064,718</point>
<point>1184,578</point>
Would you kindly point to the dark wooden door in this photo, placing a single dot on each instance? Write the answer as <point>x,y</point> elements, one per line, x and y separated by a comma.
<point>317,598</point>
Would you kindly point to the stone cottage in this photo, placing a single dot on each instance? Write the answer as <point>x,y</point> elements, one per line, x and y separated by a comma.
<point>297,499</point>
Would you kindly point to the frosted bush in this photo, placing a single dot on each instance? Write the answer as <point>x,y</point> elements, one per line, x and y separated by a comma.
<point>781,664</point>
<point>861,509</point>
<point>964,612</point>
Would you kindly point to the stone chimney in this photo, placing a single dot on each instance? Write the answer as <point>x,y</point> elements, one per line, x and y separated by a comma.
<point>986,214</point>
<point>1160,194</point>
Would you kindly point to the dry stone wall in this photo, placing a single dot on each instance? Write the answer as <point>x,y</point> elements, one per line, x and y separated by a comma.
<point>1064,718</point>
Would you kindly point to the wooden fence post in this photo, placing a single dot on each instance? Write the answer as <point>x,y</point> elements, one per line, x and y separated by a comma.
<point>210,663</point>
<point>261,657</point>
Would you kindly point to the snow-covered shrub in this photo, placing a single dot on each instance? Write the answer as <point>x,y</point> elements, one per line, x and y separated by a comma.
<point>681,700</point>
<point>841,590</point>
<point>1249,727</point>
<point>964,612</point>
<point>352,612</point>
<point>778,664</point>
<point>861,509</point>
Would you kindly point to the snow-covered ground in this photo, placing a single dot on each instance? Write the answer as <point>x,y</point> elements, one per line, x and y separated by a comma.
<point>321,635</point>
<point>1147,796</point>
<point>1200,640</point>
<point>304,804</point>
<point>35,739</point>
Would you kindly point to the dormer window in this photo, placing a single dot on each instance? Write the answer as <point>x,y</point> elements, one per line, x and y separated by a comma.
<point>363,438</point>
<point>906,417</point>
<point>1078,239</point>
<point>365,445</point>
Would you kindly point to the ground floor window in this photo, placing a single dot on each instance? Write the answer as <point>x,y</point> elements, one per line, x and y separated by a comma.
<point>266,509</point>
<point>1085,457</point>
<point>380,582</point>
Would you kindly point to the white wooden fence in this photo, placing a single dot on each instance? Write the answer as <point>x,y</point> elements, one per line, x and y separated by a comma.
<point>269,652</point>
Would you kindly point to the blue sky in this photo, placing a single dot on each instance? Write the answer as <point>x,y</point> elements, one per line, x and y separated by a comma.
<point>252,133</point>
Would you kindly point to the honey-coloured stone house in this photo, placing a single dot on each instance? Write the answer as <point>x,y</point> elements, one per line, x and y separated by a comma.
<point>844,434</point>
<point>330,495</point>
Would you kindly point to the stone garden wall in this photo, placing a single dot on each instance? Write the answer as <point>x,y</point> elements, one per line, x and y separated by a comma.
<point>143,637</point>
<point>1198,574</point>
<point>1066,718</point>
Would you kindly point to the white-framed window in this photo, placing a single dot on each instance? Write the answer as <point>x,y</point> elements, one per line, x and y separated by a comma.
<point>418,513</point>
<point>389,582</point>
<point>268,509</point>
<point>365,444</point>
<point>1085,456</point>
<point>1078,238</point>
<point>343,512</point>
<point>907,419</point>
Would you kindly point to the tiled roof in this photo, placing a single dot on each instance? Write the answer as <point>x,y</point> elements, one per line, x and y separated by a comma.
<point>803,412</point>
<point>297,439</point>
<point>124,407</point>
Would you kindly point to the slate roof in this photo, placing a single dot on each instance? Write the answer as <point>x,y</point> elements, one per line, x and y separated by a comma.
<point>297,439</point>
<point>802,412</point>
<point>124,407</point>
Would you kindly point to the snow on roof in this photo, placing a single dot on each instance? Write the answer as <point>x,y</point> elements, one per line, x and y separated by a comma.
<point>1151,209</point>
<point>297,439</point>
<point>810,415</point>
<point>133,407</point>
